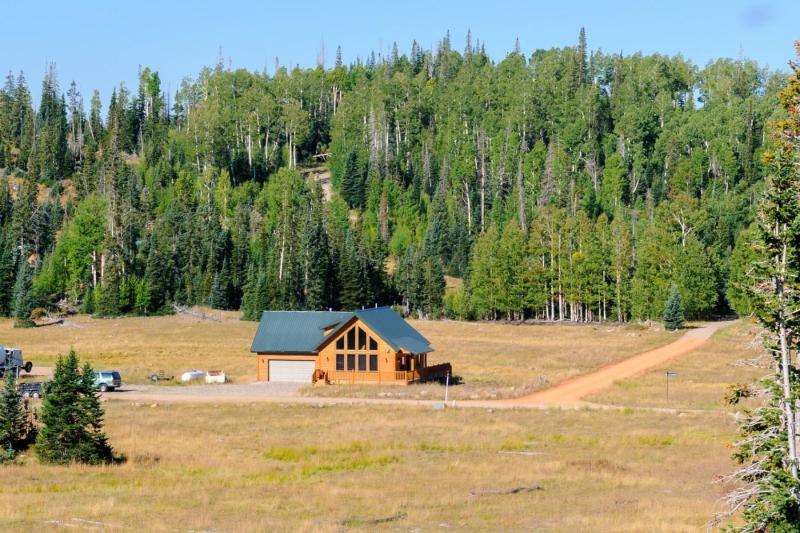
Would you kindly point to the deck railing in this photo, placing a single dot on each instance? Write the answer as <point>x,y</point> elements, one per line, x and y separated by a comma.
<point>436,372</point>
<point>431,373</point>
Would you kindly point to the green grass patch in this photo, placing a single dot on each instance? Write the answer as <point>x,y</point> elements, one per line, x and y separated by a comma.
<point>657,441</point>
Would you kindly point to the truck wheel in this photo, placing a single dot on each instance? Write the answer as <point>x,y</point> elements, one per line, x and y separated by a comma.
<point>26,394</point>
<point>35,394</point>
<point>103,387</point>
<point>28,367</point>
<point>154,378</point>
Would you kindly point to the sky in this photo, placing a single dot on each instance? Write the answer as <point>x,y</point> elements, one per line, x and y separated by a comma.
<point>100,43</point>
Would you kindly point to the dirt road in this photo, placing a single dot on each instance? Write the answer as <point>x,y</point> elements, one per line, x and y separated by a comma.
<point>572,391</point>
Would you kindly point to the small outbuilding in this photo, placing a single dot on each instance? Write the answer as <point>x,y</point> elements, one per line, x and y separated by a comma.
<point>366,346</point>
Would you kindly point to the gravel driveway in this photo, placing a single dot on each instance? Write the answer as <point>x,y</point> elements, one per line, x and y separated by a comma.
<point>203,393</point>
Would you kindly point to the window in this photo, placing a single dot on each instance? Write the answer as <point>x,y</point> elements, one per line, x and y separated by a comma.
<point>362,339</point>
<point>373,344</point>
<point>362,362</point>
<point>339,361</point>
<point>351,339</point>
<point>340,343</point>
<point>373,362</point>
<point>351,361</point>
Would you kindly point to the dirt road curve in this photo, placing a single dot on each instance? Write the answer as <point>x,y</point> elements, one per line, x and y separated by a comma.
<point>572,391</point>
<point>568,394</point>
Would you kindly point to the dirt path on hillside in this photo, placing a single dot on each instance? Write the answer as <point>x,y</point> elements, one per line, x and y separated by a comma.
<point>572,391</point>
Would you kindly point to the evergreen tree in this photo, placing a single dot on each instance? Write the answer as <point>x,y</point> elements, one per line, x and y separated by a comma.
<point>15,428</point>
<point>673,311</point>
<point>219,298</point>
<point>316,258</point>
<point>23,297</point>
<point>7,272</point>
<point>72,417</point>
<point>741,262</point>
<point>770,498</point>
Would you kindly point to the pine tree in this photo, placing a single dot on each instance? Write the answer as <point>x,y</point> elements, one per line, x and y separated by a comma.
<point>23,298</point>
<point>7,272</point>
<point>434,286</point>
<point>316,258</point>
<point>770,498</point>
<point>72,417</point>
<point>15,428</point>
<point>673,311</point>
<point>219,298</point>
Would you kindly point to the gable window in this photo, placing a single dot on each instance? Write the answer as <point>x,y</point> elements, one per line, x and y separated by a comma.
<point>362,362</point>
<point>339,361</point>
<point>340,343</point>
<point>362,339</point>
<point>373,345</point>
<point>351,339</point>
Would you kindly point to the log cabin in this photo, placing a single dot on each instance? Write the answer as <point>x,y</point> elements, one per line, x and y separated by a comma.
<point>366,346</point>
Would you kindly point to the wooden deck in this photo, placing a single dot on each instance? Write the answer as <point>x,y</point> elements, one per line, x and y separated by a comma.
<point>431,373</point>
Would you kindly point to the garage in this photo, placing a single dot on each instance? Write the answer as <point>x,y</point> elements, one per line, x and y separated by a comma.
<point>291,371</point>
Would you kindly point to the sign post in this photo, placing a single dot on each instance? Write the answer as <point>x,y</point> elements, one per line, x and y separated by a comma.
<point>669,374</point>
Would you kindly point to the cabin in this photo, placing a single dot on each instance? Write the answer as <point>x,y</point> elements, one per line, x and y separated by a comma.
<point>366,346</point>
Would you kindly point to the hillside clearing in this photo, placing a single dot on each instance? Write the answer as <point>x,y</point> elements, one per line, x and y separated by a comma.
<point>493,360</point>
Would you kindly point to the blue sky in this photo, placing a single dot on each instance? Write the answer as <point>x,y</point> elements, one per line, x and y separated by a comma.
<point>100,43</point>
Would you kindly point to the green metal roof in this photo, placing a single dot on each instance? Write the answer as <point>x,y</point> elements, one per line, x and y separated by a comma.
<point>294,331</point>
<point>394,330</point>
<point>302,332</point>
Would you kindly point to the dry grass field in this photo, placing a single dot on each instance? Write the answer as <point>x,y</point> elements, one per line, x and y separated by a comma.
<point>139,347</point>
<point>289,467</point>
<point>702,375</point>
<point>271,467</point>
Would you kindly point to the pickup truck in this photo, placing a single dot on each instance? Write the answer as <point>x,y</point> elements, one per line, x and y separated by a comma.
<point>17,363</point>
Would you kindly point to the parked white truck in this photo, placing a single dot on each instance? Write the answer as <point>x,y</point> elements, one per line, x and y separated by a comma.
<point>17,363</point>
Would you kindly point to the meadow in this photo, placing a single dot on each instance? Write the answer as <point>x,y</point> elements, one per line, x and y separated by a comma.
<point>289,467</point>
<point>272,467</point>
<point>493,360</point>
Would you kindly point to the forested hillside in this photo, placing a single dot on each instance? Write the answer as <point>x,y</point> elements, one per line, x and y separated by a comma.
<point>559,184</point>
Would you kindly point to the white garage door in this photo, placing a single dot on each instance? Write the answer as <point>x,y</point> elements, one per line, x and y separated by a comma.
<point>294,371</point>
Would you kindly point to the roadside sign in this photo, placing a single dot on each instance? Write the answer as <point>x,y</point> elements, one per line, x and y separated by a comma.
<point>669,374</point>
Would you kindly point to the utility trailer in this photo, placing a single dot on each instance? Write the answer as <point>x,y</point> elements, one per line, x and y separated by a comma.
<point>31,390</point>
<point>17,364</point>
